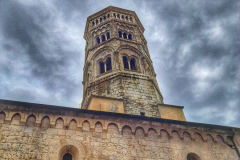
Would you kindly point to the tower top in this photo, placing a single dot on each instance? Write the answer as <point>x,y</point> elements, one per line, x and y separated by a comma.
<point>109,10</point>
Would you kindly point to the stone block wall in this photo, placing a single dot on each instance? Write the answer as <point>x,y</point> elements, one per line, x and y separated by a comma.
<point>139,95</point>
<point>47,133</point>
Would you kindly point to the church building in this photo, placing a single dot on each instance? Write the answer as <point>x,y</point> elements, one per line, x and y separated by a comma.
<point>122,115</point>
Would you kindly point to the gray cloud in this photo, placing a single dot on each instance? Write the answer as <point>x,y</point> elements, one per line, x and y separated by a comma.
<point>194,46</point>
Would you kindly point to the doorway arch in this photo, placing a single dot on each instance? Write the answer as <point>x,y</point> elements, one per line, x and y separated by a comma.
<point>193,156</point>
<point>68,152</point>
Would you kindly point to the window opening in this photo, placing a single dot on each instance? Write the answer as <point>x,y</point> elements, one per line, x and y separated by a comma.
<point>132,64</point>
<point>100,20</point>
<point>120,34</point>
<point>67,156</point>
<point>104,18</point>
<point>93,23</point>
<point>130,36</point>
<point>125,35</point>
<point>130,19</point>
<point>122,17</point>
<point>96,21</point>
<point>118,16</point>
<point>103,38</point>
<point>108,64</point>
<point>142,113</point>
<point>125,62</point>
<point>98,40</point>
<point>101,66</point>
<point>114,15</point>
<point>108,15</point>
<point>126,18</point>
<point>108,35</point>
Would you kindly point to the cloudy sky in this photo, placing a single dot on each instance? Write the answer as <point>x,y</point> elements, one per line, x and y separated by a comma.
<point>194,45</point>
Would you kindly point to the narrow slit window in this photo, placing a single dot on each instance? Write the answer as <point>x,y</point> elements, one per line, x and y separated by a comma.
<point>104,18</point>
<point>108,35</point>
<point>100,20</point>
<point>96,21</point>
<point>126,18</point>
<point>101,66</point>
<point>103,38</point>
<point>108,64</point>
<point>98,40</point>
<point>125,35</point>
<point>120,34</point>
<point>125,62</point>
<point>132,64</point>
<point>130,36</point>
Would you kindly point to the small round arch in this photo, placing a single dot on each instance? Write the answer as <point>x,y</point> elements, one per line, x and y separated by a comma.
<point>2,117</point>
<point>31,121</point>
<point>45,123</point>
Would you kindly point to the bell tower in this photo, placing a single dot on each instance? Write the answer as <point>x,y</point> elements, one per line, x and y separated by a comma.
<point>118,71</point>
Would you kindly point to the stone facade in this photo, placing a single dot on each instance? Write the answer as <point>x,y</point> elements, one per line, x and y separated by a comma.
<point>43,132</point>
<point>111,35</point>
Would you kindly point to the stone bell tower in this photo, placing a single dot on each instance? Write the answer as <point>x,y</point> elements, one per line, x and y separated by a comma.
<point>118,71</point>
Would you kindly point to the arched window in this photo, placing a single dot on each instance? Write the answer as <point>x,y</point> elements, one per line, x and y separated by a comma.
<point>108,35</point>
<point>114,15</point>
<point>108,64</point>
<point>67,156</point>
<point>193,156</point>
<point>101,66</point>
<point>122,17</point>
<point>118,16</point>
<point>132,64</point>
<point>108,15</point>
<point>96,21</point>
<point>93,23</point>
<point>104,18</point>
<point>125,35</point>
<point>120,34</point>
<point>98,40</point>
<point>129,36</point>
<point>103,38</point>
<point>125,62</point>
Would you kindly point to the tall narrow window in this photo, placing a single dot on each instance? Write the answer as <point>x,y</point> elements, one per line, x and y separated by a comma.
<point>122,17</point>
<point>118,16</point>
<point>114,15</point>
<point>120,34</point>
<point>130,36</point>
<point>125,62</point>
<point>100,20</point>
<point>104,18</point>
<point>67,156</point>
<point>108,64</point>
<point>124,35</point>
<point>101,66</point>
<point>126,18</point>
<point>96,21</point>
<point>108,15</point>
<point>132,64</point>
<point>93,23</point>
<point>108,35</point>
<point>98,40</point>
<point>103,38</point>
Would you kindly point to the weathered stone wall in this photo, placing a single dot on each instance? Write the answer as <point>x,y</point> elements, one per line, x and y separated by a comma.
<point>139,94</point>
<point>46,133</point>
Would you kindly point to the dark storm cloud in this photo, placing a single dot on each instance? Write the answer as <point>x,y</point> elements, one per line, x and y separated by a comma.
<point>194,46</point>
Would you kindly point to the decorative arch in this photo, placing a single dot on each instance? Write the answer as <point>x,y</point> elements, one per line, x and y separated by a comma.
<point>152,134</point>
<point>45,123</point>
<point>2,117</point>
<point>112,128</point>
<point>72,125</point>
<point>31,121</point>
<point>198,137</point>
<point>175,135</point>
<point>187,136</point>
<point>98,127</point>
<point>99,51</point>
<point>127,131</point>
<point>164,134</point>
<point>86,126</point>
<point>220,139</point>
<point>129,48</point>
<point>68,149</point>
<point>59,123</point>
<point>16,118</point>
<point>139,132</point>
<point>209,138</point>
